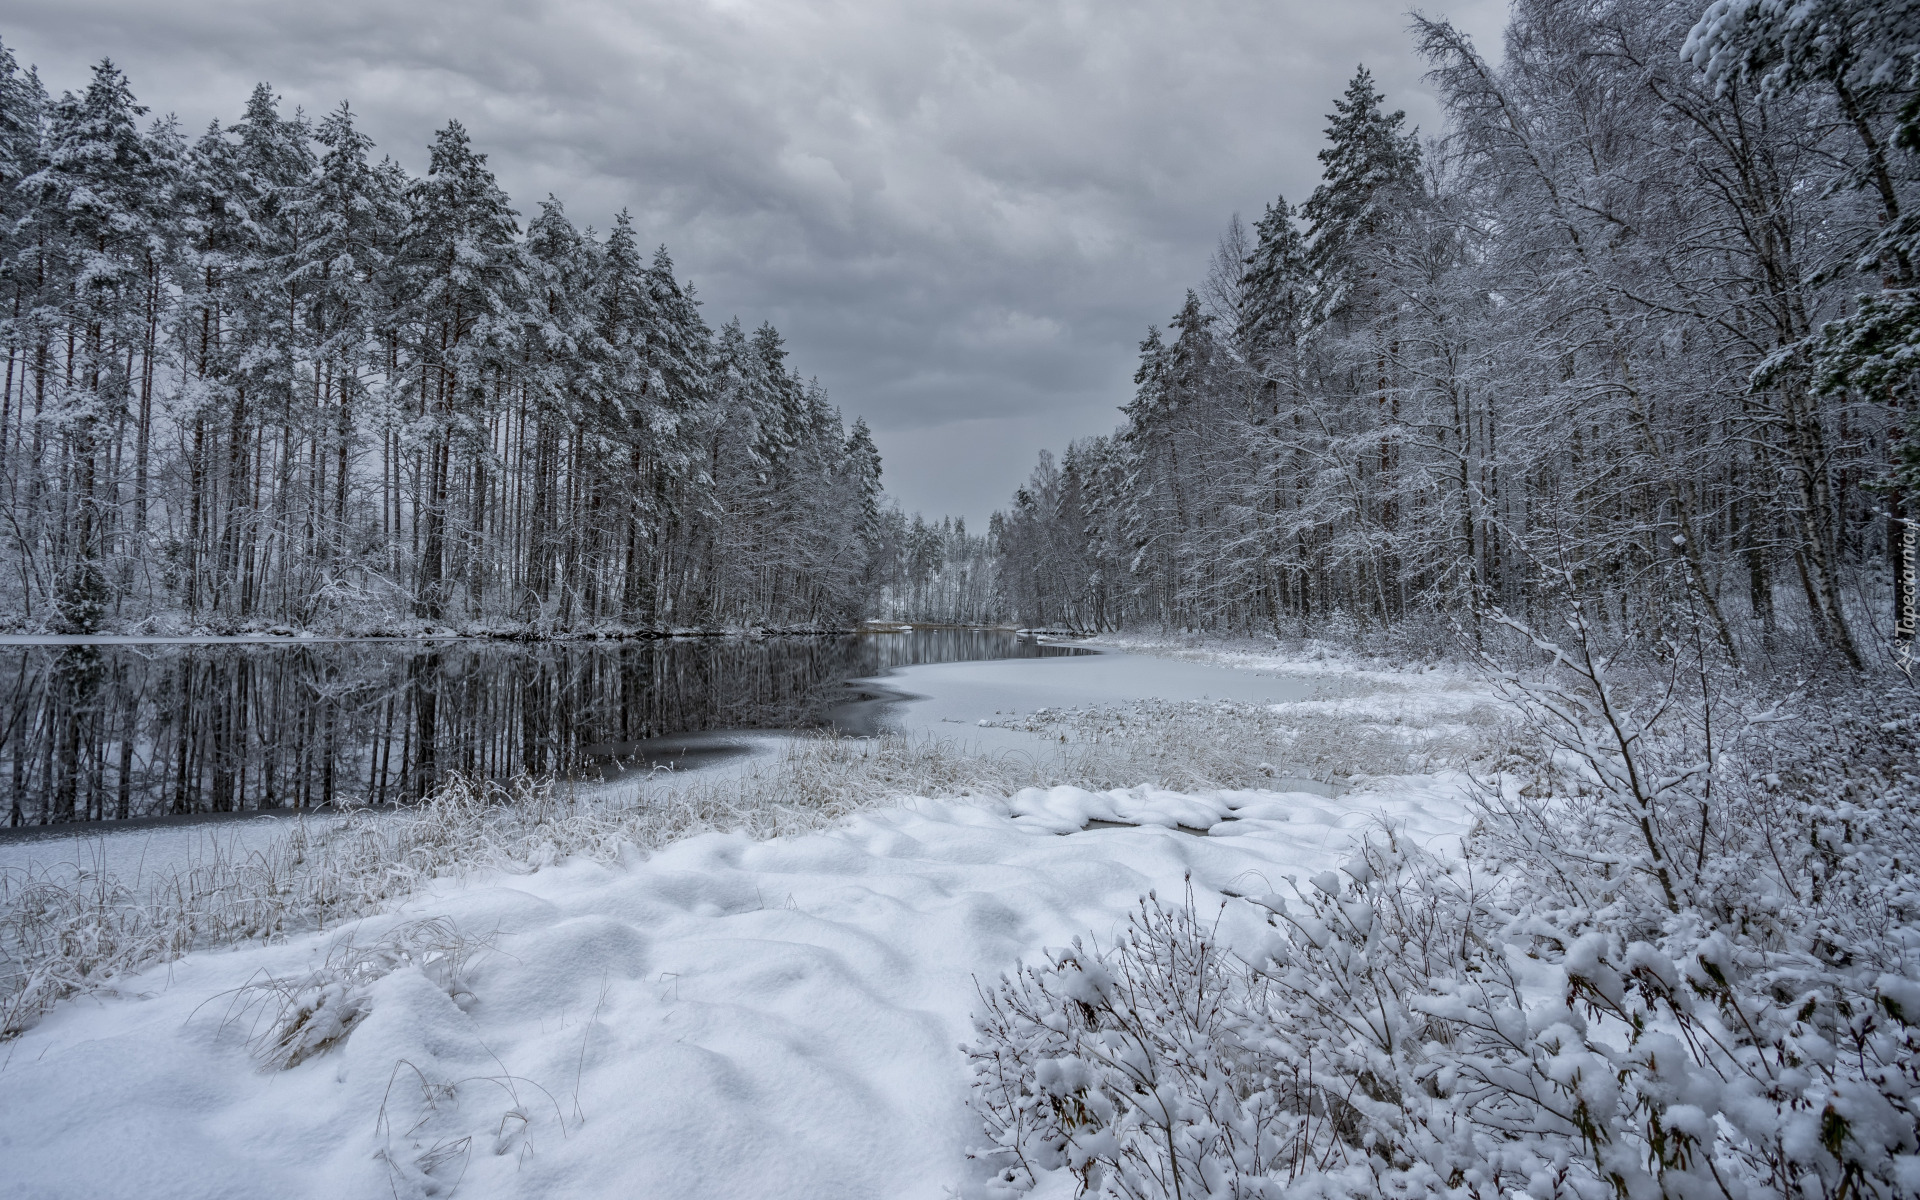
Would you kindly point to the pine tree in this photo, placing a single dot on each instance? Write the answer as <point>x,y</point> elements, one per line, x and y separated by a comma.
<point>558,335</point>
<point>338,270</point>
<point>273,381</point>
<point>678,368</point>
<point>270,343</point>
<point>1276,295</point>
<point>217,213</point>
<point>459,271</point>
<point>90,200</point>
<point>635,412</point>
<point>24,253</point>
<point>162,257</point>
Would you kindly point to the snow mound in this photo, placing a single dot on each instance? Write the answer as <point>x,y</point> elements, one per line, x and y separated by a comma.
<point>1227,813</point>
<point>725,1017</point>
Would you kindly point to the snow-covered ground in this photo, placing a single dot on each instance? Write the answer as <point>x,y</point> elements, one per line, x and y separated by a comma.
<point>723,1018</point>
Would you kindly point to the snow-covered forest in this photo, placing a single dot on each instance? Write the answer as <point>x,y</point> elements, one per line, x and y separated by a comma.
<point>934,571</point>
<point>1491,775</point>
<point>257,376</point>
<point>1636,316</point>
<point>1641,316</point>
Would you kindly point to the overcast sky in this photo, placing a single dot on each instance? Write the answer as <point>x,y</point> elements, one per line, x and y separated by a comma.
<point>962,214</point>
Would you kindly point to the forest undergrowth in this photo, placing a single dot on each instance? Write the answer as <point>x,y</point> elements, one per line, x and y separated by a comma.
<point>1679,956</point>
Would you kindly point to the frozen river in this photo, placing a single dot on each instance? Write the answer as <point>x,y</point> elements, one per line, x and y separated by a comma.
<point>951,699</point>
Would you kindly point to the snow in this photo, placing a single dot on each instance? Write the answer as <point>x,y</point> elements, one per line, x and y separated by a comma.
<point>725,1017</point>
<point>952,699</point>
<point>61,851</point>
<point>1237,813</point>
<point>946,699</point>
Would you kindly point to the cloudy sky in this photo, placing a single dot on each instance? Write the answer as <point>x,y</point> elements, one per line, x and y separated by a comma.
<point>962,214</point>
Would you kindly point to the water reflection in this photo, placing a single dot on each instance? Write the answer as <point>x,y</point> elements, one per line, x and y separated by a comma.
<point>103,732</point>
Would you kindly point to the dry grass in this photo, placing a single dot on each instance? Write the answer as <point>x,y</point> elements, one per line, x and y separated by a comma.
<point>290,1019</point>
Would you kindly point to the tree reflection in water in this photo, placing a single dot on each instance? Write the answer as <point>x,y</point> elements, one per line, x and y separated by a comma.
<point>110,731</point>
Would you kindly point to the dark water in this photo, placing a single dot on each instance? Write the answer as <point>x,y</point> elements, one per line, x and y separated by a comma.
<point>105,732</point>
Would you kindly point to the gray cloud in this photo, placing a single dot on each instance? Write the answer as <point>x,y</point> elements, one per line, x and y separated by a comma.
<point>963,214</point>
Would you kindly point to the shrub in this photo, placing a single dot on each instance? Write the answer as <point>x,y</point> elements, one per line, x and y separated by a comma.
<point>1680,958</point>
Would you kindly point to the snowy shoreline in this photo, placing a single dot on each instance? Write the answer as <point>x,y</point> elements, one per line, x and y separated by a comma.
<point>723,1016</point>
<point>291,637</point>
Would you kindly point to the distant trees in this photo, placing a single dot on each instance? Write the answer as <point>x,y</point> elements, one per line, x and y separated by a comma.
<point>936,573</point>
<point>255,377</point>
<point>1642,318</point>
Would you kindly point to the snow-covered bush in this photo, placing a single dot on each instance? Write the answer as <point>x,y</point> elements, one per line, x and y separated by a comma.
<point>1126,1067</point>
<point>1680,958</point>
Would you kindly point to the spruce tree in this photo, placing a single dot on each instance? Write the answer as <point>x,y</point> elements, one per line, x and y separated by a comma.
<point>1370,170</point>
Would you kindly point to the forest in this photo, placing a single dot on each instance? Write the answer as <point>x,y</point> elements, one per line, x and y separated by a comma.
<point>1636,324</point>
<point>1498,777</point>
<point>1637,327</point>
<point>257,378</point>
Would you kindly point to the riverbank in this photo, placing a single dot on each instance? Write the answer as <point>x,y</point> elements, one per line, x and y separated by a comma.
<point>424,633</point>
<point>728,1012</point>
<point>189,633</point>
<point>101,732</point>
